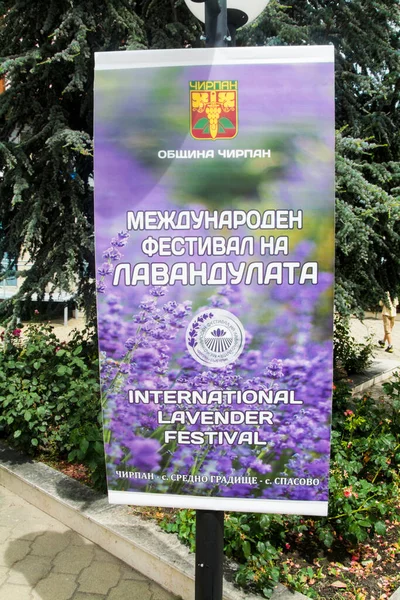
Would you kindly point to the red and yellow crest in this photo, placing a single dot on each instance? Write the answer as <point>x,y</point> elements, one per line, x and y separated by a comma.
<point>213,110</point>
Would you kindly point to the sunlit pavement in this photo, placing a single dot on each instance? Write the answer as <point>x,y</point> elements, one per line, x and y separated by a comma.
<point>372,325</point>
<point>42,559</point>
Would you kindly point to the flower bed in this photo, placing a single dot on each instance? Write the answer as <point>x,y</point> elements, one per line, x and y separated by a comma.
<point>48,407</point>
<point>352,554</point>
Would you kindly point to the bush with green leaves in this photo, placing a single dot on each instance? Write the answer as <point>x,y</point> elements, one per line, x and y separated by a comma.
<point>49,396</point>
<point>350,355</point>
<point>364,494</point>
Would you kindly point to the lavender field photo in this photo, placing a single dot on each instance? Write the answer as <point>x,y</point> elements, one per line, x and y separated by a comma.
<point>258,427</point>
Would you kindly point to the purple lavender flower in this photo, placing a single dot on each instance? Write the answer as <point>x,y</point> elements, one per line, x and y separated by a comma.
<point>158,291</point>
<point>170,306</point>
<point>146,358</point>
<point>251,360</point>
<point>105,269</point>
<point>130,343</point>
<point>148,305</point>
<point>181,311</point>
<point>145,454</point>
<point>112,254</point>
<point>147,351</point>
<point>274,369</point>
<point>121,240</point>
<point>218,301</point>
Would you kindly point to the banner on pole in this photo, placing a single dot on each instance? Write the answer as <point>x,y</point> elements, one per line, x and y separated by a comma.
<point>214,213</point>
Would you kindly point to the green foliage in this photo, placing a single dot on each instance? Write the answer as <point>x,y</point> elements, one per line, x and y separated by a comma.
<point>183,524</point>
<point>46,126</point>
<point>168,24</point>
<point>364,494</point>
<point>364,482</point>
<point>247,542</point>
<point>367,66</point>
<point>350,355</point>
<point>46,164</point>
<point>49,396</point>
<point>302,579</point>
<point>367,227</point>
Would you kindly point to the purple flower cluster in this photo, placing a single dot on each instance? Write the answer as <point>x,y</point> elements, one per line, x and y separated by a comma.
<point>147,351</point>
<point>111,255</point>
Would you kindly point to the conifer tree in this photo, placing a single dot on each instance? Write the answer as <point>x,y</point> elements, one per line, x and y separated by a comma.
<point>46,125</point>
<point>365,34</point>
<point>46,163</point>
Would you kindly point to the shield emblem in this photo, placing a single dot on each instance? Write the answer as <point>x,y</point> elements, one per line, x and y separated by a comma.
<point>213,110</point>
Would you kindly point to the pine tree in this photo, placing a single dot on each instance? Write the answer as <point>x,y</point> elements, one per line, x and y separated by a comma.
<point>365,34</point>
<point>168,24</point>
<point>46,163</point>
<point>46,127</point>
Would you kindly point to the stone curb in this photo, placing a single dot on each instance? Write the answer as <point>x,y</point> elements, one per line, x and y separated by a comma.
<point>379,378</point>
<point>140,544</point>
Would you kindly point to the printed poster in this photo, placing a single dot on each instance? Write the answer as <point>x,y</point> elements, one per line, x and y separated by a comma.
<point>214,212</point>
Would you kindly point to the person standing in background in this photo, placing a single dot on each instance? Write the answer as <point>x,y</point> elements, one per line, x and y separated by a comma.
<point>388,316</point>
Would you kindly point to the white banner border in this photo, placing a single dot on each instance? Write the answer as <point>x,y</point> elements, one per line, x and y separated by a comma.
<point>143,59</point>
<point>276,507</point>
<point>252,55</point>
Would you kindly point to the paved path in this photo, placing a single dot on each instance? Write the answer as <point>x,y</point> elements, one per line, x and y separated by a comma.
<point>41,559</point>
<point>372,325</point>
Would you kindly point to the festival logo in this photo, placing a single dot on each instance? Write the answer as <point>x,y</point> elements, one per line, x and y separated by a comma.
<point>213,110</point>
<point>215,338</point>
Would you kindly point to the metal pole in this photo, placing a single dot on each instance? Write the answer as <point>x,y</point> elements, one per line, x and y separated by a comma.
<point>216,23</point>
<point>210,523</point>
<point>232,34</point>
<point>209,554</point>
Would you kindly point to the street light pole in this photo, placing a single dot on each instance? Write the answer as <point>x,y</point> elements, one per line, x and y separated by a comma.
<point>216,23</point>
<point>210,523</point>
<point>209,555</point>
<point>220,32</point>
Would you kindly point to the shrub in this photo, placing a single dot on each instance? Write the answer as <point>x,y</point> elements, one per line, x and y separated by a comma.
<point>349,354</point>
<point>364,493</point>
<point>49,395</point>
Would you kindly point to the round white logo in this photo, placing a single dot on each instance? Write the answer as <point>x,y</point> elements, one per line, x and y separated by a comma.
<point>215,338</point>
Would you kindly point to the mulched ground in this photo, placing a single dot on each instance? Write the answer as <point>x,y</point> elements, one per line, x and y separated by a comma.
<point>75,471</point>
<point>370,571</point>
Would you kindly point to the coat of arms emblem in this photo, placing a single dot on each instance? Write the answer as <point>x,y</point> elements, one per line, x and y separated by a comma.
<point>213,110</point>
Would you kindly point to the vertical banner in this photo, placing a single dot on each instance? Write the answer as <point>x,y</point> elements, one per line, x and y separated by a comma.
<point>214,213</point>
